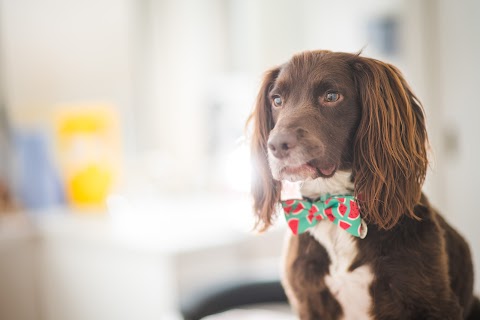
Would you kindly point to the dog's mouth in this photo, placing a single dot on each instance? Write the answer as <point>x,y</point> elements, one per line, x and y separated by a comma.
<point>328,170</point>
<point>309,170</point>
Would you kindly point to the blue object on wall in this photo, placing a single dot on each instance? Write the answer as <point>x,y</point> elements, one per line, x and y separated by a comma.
<point>383,34</point>
<point>37,183</point>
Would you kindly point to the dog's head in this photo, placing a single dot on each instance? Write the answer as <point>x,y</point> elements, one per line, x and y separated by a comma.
<point>324,111</point>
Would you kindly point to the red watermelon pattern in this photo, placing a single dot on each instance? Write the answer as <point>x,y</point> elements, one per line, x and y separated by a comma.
<point>341,210</point>
<point>293,224</point>
<point>354,211</point>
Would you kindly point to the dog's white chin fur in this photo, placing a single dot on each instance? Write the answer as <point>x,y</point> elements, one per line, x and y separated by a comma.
<point>339,183</point>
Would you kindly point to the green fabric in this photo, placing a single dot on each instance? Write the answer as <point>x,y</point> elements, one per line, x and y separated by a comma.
<point>342,210</point>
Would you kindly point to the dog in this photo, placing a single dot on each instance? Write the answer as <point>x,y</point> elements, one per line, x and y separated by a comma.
<point>351,131</point>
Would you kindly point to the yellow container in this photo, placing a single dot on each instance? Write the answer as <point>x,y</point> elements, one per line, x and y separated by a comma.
<point>88,145</point>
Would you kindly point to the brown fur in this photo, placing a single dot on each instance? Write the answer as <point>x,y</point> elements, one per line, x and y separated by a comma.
<point>265,190</point>
<point>390,159</point>
<point>422,267</point>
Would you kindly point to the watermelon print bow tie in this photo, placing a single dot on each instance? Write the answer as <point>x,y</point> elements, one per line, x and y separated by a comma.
<point>342,210</point>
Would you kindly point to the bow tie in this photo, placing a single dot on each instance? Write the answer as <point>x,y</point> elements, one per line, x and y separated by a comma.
<point>342,210</point>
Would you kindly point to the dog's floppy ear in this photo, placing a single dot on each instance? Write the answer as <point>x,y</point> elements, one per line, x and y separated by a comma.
<point>390,158</point>
<point>265,190</point>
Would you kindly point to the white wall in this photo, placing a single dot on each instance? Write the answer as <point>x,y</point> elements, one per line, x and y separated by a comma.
<point>56,50</point>
<point>459,50</point>
<point>266,33</point>
<point>442,50</point>
<point>182,50</point>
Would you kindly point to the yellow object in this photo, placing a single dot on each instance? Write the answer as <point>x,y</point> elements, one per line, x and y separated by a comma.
<point>90,185</point>
<point>88,145</point>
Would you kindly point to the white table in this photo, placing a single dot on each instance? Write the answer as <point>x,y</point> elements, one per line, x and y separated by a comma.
<point>137,261</point>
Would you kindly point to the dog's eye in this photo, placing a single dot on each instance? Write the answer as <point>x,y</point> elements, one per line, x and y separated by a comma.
<point>277,101</point>
<point>332,96</point>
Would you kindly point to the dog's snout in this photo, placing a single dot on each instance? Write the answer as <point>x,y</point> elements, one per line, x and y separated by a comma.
<point>280,144</point>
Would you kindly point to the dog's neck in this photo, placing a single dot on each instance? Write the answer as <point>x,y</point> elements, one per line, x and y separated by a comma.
<point>340,183</point>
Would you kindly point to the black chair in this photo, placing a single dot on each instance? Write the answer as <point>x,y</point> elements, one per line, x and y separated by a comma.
<point>233,295</point>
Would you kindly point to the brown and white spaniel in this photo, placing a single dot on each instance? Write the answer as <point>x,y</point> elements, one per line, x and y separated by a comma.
<point>343,124</point>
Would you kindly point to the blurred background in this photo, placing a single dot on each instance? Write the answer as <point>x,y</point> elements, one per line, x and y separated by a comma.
<point>124,176</point>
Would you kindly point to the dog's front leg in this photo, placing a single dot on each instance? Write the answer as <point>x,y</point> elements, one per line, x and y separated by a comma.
<point>306,264</point>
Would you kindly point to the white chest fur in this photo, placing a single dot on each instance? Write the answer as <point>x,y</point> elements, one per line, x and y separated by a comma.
<point>350,288</point>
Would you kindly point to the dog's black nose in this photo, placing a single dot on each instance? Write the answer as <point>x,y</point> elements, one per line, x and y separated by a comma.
<point>280,144</point>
